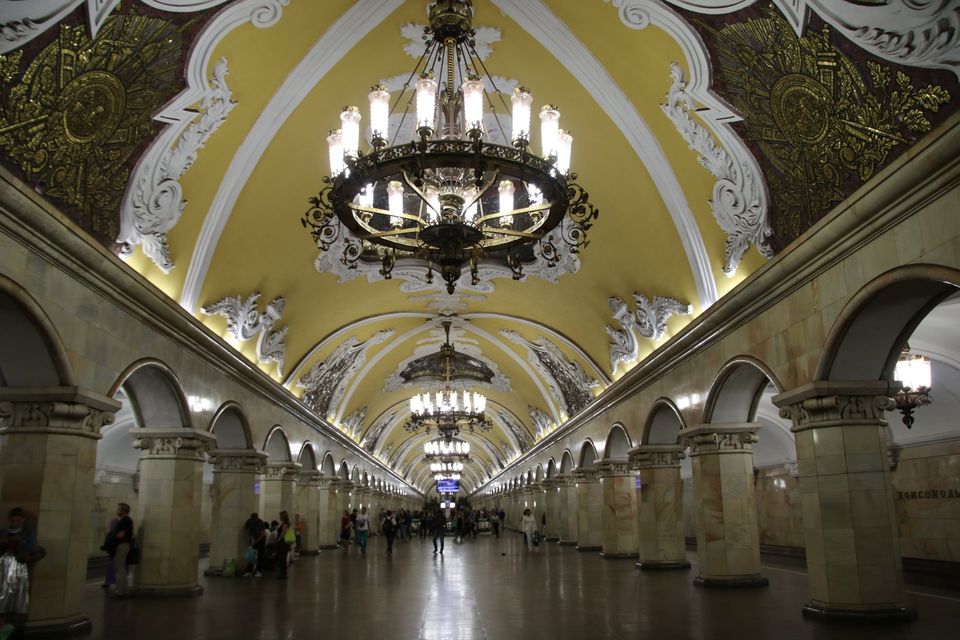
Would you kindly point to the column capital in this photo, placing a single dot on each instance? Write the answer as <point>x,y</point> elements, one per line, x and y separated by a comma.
<point>609,467</point>
<point>346,485</point>
<point>828,403</point>
<point>281,470</point>
<point>720,438</point>
<point>182,443</point>
<point>549,483</point>
<point>651,456</point>
<point>59,410</point>
<point>238,461</point>
<point>310,478</point>
<point>587,474</point>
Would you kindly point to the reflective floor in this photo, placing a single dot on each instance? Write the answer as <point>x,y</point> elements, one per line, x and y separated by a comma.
<point>490,589</point>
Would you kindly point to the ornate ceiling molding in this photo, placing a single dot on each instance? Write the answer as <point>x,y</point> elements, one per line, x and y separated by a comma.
<point>567,380</point>
<point>245,321</point>
<point>623,341</point>
<point>537,19</point>
<point>739,202</point>
<point>326,382</point>
<point>339,39</point>
<point>648,321</point>
<point>652,315</point>
<point>543,424</point>
<point>352,425</point>
<point>916,33</point>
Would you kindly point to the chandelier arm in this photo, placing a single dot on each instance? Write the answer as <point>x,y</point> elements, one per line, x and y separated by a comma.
<point>419,192</point>
<point>534,209</point>
<point>513,233</point>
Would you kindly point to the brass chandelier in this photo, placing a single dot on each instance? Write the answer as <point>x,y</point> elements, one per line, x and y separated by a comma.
<point>914,372</point>
<point>451,196</point>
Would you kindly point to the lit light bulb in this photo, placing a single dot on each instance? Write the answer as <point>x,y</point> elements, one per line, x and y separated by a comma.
<point>522,101</point>
<point>473,102</point>
<point>350,127</point>
<point>549,130</point>
<point>379,113</point>
<point>564,149</point>
<point>426,100</point>
<point>365,197</point>
<point>432,205</point>
<point>506,202</point>
<point>395,202</point>
<point>335,144</point>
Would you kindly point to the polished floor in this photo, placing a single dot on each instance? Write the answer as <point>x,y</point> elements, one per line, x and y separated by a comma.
<point>490,589</point>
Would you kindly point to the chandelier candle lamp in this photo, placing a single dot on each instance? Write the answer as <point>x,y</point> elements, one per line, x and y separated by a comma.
<point>450,197</point>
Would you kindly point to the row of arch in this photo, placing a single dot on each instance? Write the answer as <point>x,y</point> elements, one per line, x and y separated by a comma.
<point>863,344</point>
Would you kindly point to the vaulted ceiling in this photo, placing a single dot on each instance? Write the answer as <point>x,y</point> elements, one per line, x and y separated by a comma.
<point>211,212</point>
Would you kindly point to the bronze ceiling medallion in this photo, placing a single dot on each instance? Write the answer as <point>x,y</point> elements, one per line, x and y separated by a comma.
<point>73,120</point>
<point>823,124</point>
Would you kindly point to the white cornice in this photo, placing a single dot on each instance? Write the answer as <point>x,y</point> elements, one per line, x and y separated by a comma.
<point>551,32</point>
<point>337,42</point>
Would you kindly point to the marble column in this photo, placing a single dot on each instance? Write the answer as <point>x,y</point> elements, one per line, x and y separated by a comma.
<point>725,505</point>
<point>345,499</point>
<point>235,473</point>
<point>659,507</point>
<point>328,527</point>
<point>618,491</point>
<point>307,504</point>
<point>551,502</point>
<point>849,520</point>
<point>169,507</point>
<point>589,510</point>
<point>567,510</point>
<point>48,450</point>
<point>277,490</point>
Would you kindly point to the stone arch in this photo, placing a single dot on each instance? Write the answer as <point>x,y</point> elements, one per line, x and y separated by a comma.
<point>617,444</point>
<point>528,479</point>
<point>307,457</point>
<point>566,462</point>
<point>538,475</point>
<point>663,424</point>
<point>355,474</point>
<point>328,466</point>
<point>588,455</point>
<point>277,445</point>
<point>551,468</point>
<point>365,479</point>
<point>32,354</point>
<point>155,395</point>
<point>231,428</point>
<point>737,390</point>
<point>343,471</point>
<point>866,338</point>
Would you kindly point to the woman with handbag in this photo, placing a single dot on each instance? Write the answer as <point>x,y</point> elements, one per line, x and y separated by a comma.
<point>286,538</point>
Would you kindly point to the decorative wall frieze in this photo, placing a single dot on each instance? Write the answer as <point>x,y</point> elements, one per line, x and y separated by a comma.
<point>281,471</point>
<point>521,436</point>
<point>180,444</point>
<point>567,380</point>
<point>648,321</point>
<point>326,382</point>
<point>375,433</point>
<point>352,425</point>
<point>652,315</point>
<point>543,424</point>
<point>53,417</point>
<point>656,455</point>
<point>609,468</point>
<point>739,203</point>
<point>717,438</point>
<point>245,321</point>
<point>154,201</point>
<point>237,461</point>
<point>821,405</point>
<point>585,474</point>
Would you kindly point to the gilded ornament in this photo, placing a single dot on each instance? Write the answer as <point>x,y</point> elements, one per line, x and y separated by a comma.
<point>73,120</point>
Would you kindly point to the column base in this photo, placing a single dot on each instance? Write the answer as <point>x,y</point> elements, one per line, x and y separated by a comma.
<point>662,566</point>
<point>820,611</point>
<point>618,555</point>
<point>184,591</point>
<point>567,543</point>
<point>328,547</point>
<point>589,548</point>
<point>80,625</point>
<point>736,582</point>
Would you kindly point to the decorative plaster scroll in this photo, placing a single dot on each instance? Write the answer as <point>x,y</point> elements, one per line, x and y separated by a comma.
<point>567,380</point>
<point>53,417</point>
<point>244,322</point>
<point>326,382</point>
<point>154,201</point>
<point>623,342</point>
<point>373,436</point>
<point>738,202</point>
<point>652,315</point>
<point>518,431</point>
<point>352,425</point>
<point>542,423</point>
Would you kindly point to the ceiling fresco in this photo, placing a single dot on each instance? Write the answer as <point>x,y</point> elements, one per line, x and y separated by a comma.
<point>190,135</point>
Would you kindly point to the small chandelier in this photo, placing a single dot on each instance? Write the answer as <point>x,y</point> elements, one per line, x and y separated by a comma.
<point>452,196</point>
<point>447,409</point>
<point>915,374</point>
<point>447,449</point>
<point>446,467</point>
<point>446,476</point>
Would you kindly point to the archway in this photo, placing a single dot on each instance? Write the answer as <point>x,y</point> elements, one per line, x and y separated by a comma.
<point>566,462</point>
<point>31,352</point>
<point>617,444</point>
<point>664,424</point>
<point>588,455</point>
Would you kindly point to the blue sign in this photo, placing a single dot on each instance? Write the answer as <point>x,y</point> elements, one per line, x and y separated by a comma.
<point>448,486</point>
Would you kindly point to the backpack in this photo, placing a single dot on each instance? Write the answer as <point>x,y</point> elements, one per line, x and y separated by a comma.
<point>389,527</point>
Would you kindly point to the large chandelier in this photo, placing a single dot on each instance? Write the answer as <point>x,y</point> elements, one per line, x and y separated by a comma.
<point>451,196</point>
<point>447,450</point>
<point>913,371</point>
<point>447,409</point>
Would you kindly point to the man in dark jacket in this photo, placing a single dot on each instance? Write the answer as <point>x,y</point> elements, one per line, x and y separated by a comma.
<point>439,522</point>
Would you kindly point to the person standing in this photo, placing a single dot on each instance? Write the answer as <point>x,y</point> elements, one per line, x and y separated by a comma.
<point>528,525</point>
<point>363,530</point>
<point>407,523</point>
<point>299,527</point>
<point>389,529</point>
<point>257,534</point>
<point>110,547</point>
<point>124,537</point>
<point>439,524</point>
<point>286,538</point>
<point>346,525</point>
<point>495,523</point>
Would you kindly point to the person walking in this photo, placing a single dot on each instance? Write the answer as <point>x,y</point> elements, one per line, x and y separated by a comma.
<point>110,547</point>
<point>389,529</point>
<point>363,530</point>
<point>124,537</point>
<point>528,525</point>
<point>495,523</point>
<point>346,526</point>
<point>286,538</point>
<point>439,525</point>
